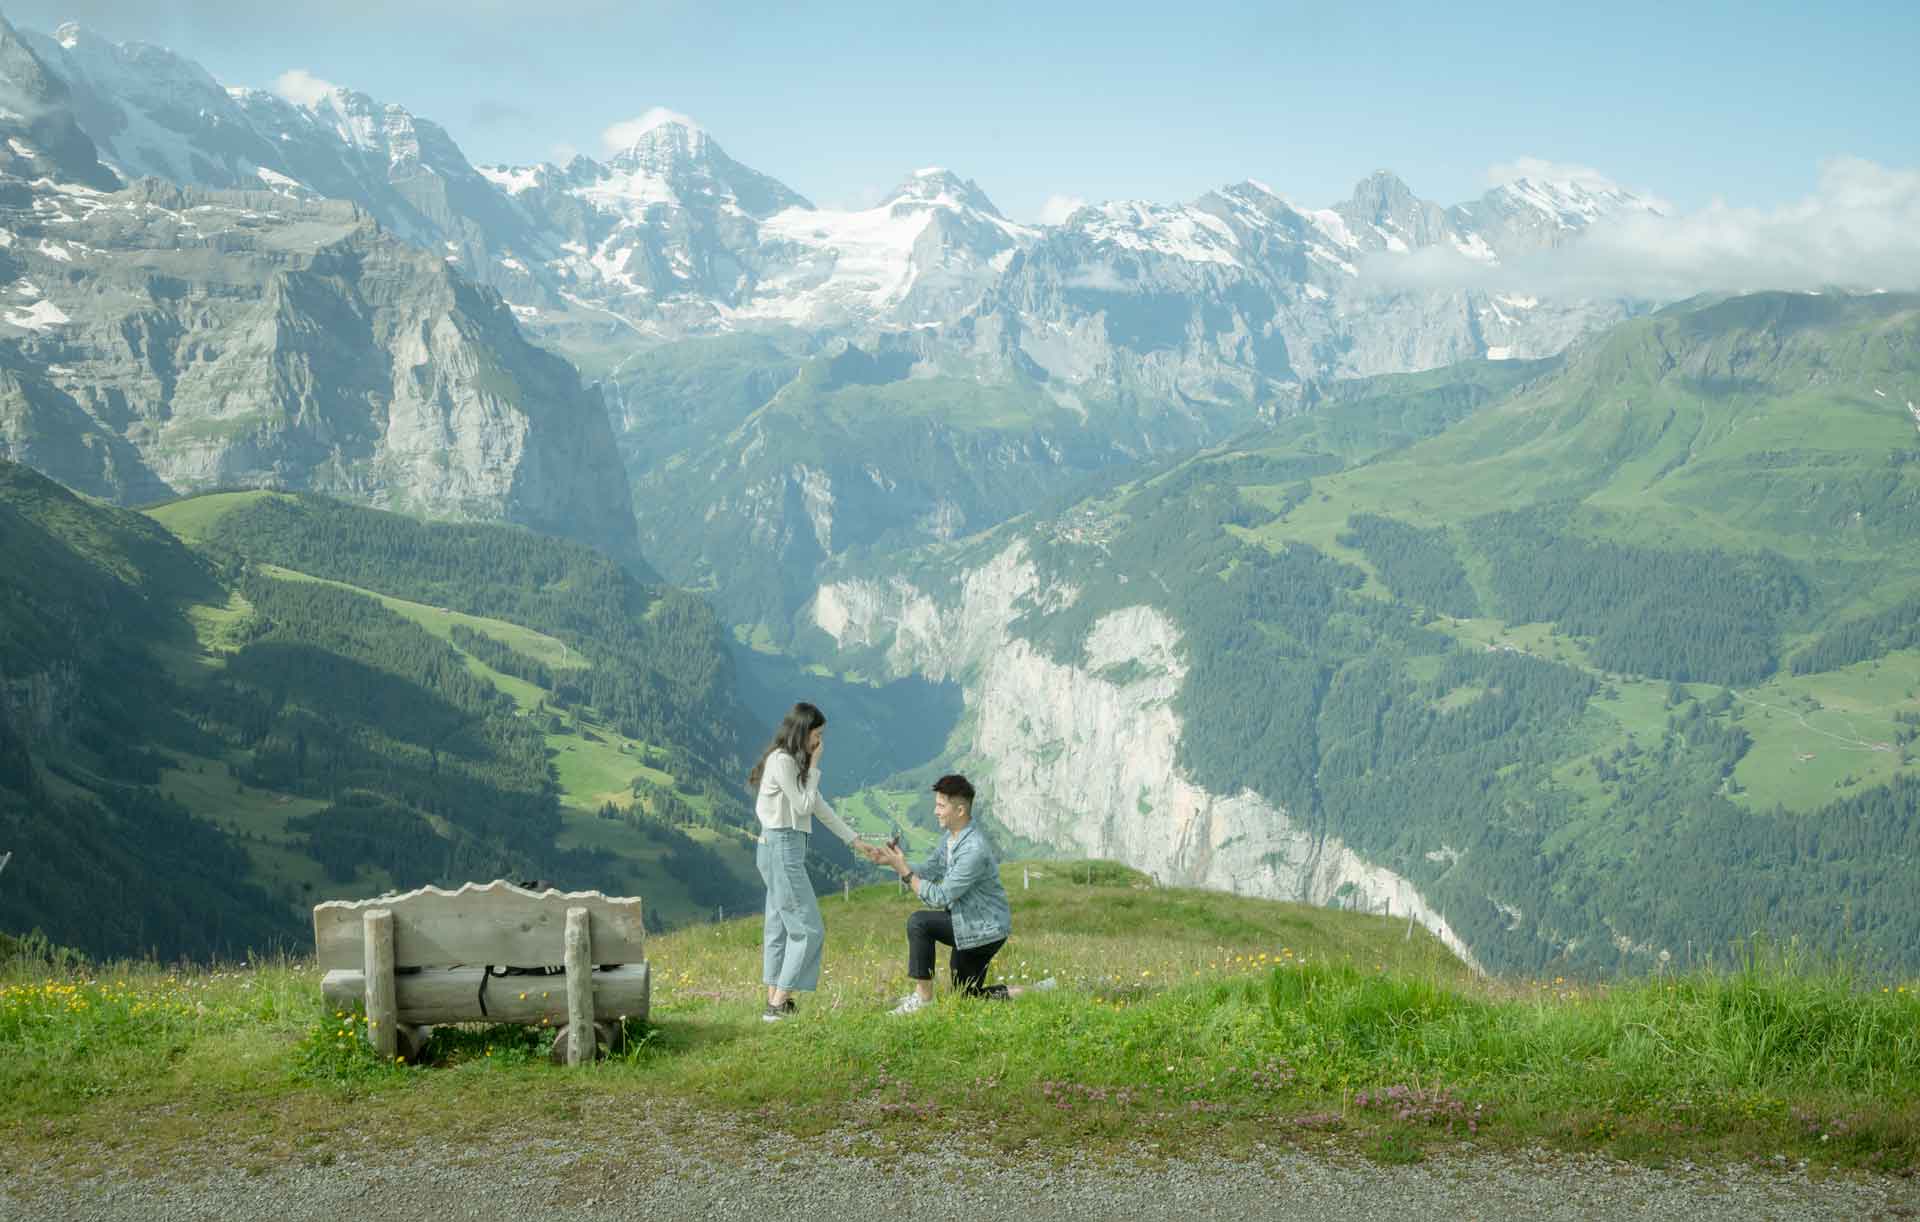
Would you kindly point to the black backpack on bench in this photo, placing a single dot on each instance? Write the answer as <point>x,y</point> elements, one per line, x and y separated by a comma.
<point>492,971</point>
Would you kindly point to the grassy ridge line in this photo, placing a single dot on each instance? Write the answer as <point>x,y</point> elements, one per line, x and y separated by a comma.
<point>191,517</point>
<point>440,622</point>
<point>1192,1020</point>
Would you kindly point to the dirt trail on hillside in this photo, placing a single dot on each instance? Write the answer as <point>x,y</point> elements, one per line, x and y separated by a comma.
<point>701,1167</point>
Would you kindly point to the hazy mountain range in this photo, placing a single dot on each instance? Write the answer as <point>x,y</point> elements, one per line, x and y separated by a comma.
<point>671,237</point>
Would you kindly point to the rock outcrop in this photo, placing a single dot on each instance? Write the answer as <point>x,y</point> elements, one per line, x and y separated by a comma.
<point>1085,757</point>
<point>157,341</point>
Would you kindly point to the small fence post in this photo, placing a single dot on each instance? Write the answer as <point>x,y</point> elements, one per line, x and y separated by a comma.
<point>846,890</point>
<point>1026,878</point>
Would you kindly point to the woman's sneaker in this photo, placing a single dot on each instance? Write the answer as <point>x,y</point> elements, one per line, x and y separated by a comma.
<point>910,1004</point>
<point>774,1014</point>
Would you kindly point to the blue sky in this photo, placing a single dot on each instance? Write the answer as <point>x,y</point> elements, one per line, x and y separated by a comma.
<point>1691,102</point>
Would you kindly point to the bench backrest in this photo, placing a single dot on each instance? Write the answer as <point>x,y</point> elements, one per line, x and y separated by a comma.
<point>498,923</point>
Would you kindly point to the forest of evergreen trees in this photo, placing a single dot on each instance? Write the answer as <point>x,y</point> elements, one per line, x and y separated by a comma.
<point>660,669</point>
<point>1463,768</point>
<point>1691,615</point>
<point>1858,640</point>
<point>1419,566</point>
<point>425,770</point>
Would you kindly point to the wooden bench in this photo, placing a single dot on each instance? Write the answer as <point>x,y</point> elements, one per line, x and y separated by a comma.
<point>423,958</point>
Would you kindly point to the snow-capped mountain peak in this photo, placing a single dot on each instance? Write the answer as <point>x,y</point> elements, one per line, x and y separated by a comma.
<point>1179,231</point>
<point>357,119</point>
<point>671,236</point>
<point>664,157</point>
<point>1572,202</point>
<point>514,179</point>
<point>942,187</point>
<point>661,141</point>
<point>1383,213</point>
<point>923,254</point>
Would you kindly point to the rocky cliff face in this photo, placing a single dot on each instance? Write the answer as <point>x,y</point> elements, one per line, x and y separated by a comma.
<point>154,113</point>
<point>1084,757</point>
<point>40,138</point>
<point>156,341</point>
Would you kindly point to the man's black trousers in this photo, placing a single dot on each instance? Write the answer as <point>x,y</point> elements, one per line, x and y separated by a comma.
<point>930,925</point>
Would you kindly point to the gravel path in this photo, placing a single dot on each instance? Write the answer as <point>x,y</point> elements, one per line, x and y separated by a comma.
<point>695,1167</point>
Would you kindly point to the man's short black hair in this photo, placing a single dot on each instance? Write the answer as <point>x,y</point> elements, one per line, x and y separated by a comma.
<point>955,786</point>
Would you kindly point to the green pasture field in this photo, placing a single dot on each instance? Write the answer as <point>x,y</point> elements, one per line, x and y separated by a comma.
<point>1185,1021</point>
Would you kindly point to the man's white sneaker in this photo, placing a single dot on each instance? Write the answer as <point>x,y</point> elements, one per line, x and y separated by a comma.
<point>910,1004</point>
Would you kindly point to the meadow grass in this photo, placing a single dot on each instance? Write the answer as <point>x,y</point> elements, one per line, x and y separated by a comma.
<point>1823,736</point>
<point>191,517</point>
<point>1184,1021</point>
<point>440,622</point>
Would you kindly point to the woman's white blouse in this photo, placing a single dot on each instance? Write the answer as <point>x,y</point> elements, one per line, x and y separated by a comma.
<point>783,802</point>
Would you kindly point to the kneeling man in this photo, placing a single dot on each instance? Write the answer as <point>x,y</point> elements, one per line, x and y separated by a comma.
<point>967,909</point>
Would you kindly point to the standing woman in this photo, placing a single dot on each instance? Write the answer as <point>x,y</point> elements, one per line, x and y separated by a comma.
<point>786,784</point>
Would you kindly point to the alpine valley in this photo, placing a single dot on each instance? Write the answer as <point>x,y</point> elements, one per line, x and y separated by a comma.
<point>489,513</point>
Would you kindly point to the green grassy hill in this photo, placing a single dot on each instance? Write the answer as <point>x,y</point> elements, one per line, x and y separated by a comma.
<point>1615,657</point>
<point>1184,1022</point>
<point>788,463</point>
<point>244,703</point>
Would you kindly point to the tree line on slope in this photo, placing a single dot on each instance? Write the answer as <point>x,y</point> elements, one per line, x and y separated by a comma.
<point>659,665</point>
<point>1467,770</point>
<point>1692,615</point>
<point>1858,640</point>
<point>425,770</point>
<point>335,696</point>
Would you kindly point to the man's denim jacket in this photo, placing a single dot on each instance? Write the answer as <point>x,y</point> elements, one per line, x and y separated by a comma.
<point>964,878</point>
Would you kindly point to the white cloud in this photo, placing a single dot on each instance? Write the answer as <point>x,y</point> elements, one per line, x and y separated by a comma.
<point>621,135</point>
<point>1100,277</point>
<point>1059,207</point>
<point>302,87</point>
<point>1859,229</point>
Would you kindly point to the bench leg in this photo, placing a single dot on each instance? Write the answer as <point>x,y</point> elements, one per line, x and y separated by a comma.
<point>581,1047</point>
<point>411,1042</point>
<point>383,1009</point>
<point>561,1051</point>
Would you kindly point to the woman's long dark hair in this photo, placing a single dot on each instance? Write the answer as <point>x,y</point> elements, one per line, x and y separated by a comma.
<point>796,728</point>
